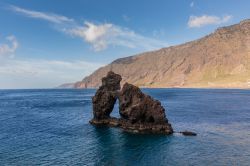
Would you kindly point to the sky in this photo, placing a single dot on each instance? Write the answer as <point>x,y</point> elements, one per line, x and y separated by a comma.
<point>46,43</point>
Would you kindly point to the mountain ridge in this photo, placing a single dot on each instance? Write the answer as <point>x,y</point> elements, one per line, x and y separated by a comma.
<point>218,60</point>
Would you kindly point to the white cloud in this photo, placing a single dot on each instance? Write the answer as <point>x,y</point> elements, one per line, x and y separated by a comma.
<point>192,4</point>
<point>200,21</point>
<point>93,34</point>
<point>8,49</point>
<point>42,15</point>
<point>102,35</point>
<point>42,73</point>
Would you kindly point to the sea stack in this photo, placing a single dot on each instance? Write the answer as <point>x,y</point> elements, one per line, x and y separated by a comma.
<point>105,97</point>
<point>140,113</point>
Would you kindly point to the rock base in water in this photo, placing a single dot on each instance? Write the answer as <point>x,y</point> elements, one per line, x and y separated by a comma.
<point>144,128</point>
<point>112,122</point>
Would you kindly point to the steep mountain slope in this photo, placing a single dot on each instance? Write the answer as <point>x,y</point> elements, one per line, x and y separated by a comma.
<point>221,59</point>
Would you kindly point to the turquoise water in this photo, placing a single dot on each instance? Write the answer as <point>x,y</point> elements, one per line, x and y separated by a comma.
<point>50,127</point>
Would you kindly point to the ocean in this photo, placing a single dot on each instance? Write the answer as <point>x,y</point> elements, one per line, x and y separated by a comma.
<point>50,127</point>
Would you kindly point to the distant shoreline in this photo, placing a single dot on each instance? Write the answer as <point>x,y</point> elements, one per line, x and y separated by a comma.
<point>140,88</point>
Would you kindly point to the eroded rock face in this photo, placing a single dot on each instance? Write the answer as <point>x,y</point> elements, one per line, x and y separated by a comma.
<point>106,96</point>
<point>138,107</point>
<point>139,112</point>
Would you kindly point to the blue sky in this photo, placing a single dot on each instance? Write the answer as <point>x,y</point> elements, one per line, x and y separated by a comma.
<point>44,43</point>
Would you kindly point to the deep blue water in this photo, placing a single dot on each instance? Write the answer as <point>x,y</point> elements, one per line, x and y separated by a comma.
<point>50,127</point>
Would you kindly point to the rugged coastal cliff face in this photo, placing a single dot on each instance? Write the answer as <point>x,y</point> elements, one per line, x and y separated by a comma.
<point>221,59</point>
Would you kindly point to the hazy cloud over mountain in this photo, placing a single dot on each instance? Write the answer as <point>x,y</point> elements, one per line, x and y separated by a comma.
<point>200,21</point>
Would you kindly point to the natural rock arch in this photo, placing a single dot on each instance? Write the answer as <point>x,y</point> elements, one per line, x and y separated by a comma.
<point>139,112</point>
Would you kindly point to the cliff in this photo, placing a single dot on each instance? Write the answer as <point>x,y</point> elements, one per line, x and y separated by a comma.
<point>221,59</point>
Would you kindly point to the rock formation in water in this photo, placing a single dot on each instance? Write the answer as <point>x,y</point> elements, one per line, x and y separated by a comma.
<point>106,96</point>
<point>188,133</point>
<point>139,112</point>
<point>138,107</point>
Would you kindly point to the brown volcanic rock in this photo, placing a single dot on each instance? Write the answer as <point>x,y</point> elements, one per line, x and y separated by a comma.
<point>126,125</point>
<point>105,97</point>
<point>138,107</point>
<point>221,59</point>
<point>139,112</point>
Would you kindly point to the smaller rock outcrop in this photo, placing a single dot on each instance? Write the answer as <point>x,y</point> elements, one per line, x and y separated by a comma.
<point>106,96</point>
<point>188,133</point>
